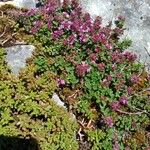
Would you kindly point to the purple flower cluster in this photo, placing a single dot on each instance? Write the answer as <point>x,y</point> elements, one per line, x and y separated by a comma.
<point>100,37</point>
<point>130,90</point>
<point>116,105</point>
<point>65,25</point>
<point>116,56</point>
<point>123,100</point>
<point>70,40</point>
<point>93,57</point>
<point>29,13</point>
<point>105,83</point>
<point>130,56</point>
<point>108,121</point>
<point>60,82</point>
<point>56,34</point>
<point>109,78</point>
<point>101,66</point>
<point>121,18</point>
<point>134,79</point>
<point>83,38</point>
<point>50,7</point>
<point>82,69</point>
<point>36,26</point>
<point>78,25</point>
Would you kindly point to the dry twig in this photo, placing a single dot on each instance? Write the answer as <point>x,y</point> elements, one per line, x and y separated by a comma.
<point>3,32</point>
<point>2,13</point>
<point>133,113</point>
<point>8,39</point>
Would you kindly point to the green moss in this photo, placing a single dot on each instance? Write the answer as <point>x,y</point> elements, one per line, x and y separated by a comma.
<point>27,110</point>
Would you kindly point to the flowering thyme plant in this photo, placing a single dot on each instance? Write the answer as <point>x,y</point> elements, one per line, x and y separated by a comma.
<point>98,78</point>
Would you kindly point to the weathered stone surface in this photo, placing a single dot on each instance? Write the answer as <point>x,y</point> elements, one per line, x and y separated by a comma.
<point>25,3</point>
<point>56,98</point>
<point>60,103</point>
<point>137,15</point>
<point>17,55</point>
<point>29,4</point>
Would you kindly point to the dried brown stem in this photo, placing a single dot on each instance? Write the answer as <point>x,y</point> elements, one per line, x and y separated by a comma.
<point>8,39</point>
<point>2,13</point>
<point>144,90</point>
<point>80,135</point>
<point>3,32</point>
<point>133,113</point>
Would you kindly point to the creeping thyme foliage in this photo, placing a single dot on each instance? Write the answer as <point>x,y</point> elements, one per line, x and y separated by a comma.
<point>97,77</point>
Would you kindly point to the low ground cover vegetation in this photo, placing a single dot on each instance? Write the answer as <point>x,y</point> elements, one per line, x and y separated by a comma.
<point>93,72</point>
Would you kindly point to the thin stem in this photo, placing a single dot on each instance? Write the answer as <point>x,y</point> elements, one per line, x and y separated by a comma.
<point>134,113</point>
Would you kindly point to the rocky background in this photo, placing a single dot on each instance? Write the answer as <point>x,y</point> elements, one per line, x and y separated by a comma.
<point>137,15</point>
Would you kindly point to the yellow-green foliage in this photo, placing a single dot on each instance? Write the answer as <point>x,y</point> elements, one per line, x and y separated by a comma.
<point>27,110</point>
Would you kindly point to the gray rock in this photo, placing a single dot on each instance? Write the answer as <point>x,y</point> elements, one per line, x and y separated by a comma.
<point>56,99</point>
<point>137,15</point>
<point>25,3</point>
<point>17,55</point>
<point>60,103</point>
<point>29,4</point>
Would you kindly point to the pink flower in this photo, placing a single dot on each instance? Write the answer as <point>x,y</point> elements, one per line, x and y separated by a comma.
<point>76,24</point>
<point>109,46</point>
<point>88,20</point>
<point>130,56</point>
<point>93,57</point>
<point>74,3</point>
<point>101,66</point>
<point>97,49</point>
<point>37,23</point>
<point>102,37</point>
<point>83,38</point>
<point>134,79</point>
<point>116,56</point>
<point>123,100</point>
<point>56,34</point>
<point>108,121</point>
<point>129,90</point>
<point>105,83</point>
<point>61,82</point>
<point>70,40</point>
<point>65,25</point>
<point>114,67</point>
<point>119,75</point>
<point>95,38</point>
<point>84,28</point>
<point>109,78</point>
<point>115,106</point>
<point>65,14</point>
<point>118,30</point>
<point>82,69</point>
<point>97,23</point>
<point>36,26</point>
<point>121,18</point>
<point>127,148</point>
<point>34,30</point>
<point>29,13</point>
<point>116,146</point>
<point>49,25</point>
